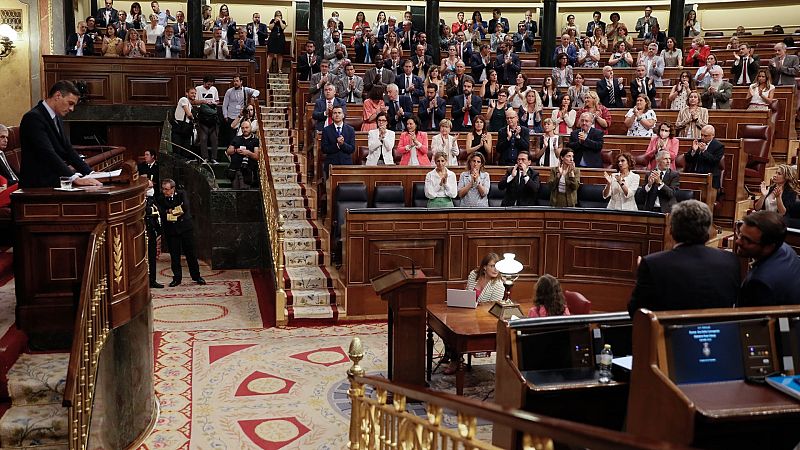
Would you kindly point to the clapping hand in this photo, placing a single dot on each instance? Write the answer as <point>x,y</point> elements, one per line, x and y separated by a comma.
<point>608,177</point>
<point>655,178</point>
<point>582,136</point>
<point>340,140</point>
<point>764,189</point>
<point>778,191</point>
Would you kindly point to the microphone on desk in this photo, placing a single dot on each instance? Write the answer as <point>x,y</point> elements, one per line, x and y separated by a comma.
<point>96,139</point>
<point>413,263</point>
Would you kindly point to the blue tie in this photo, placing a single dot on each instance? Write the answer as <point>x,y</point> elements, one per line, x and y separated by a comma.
<point>338,131</point>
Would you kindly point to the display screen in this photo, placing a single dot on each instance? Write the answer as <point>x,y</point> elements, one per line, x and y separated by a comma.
<point>704,353</point>
<point>558,349</point>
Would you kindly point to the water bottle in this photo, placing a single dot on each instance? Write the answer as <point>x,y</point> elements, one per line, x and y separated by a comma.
<point>605,364</point>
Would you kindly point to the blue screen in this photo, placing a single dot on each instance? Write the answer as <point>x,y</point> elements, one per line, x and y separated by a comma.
<point>704,353</point>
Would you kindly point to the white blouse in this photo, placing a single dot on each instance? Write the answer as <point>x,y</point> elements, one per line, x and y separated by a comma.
<point>450,147</point>
<point>376,147</point>
<point>434,188</point>
<point>618,198</point>
<point>637,129</point>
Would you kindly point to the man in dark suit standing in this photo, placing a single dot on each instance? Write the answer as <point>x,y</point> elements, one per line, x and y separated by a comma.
<point>338,142</point>
<point>463,47</point>
<point>366,47</point>
<point>658,195</point>
<point>46,150</point>
<point>643,84</point>
<point>173,206</point>
<point>497,18</point>
<point>106,16</point>
<point>323,107</point>
<point>407,37</point>
<point>308,63</point>
<point>507,64</point>
<point>610,90</point>
<point>512,140</point>
<point>378,75</point>
<point>152,219</point>
<point>587,142</point>
<point>258,30</point>
<point>705,155</point>
<point>421,61</point>
<point>431,109</point>
<point>465,106</point>
<point>410,85</point>
<point>690,275</point>
<point>745,66</point>
<point>399,108</point>
<point>481,64</point>
<point>521,183</point>
<point>80,43</point>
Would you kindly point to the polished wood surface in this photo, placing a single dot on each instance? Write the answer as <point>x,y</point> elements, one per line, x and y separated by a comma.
<point>590,251</point>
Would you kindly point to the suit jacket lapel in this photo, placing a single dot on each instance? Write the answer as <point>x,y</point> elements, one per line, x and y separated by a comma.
<point>53,127</point>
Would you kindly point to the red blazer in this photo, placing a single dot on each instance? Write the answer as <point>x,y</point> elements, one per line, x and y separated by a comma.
<point>422,152</point>
<point>697,57</point>
<point>5,194</point>
<point>650,154</point>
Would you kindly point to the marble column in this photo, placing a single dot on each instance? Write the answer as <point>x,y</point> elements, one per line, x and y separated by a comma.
<point>676,16</point>
<point>194,42</point>
<point>432,26</point>
<point>549,33</point>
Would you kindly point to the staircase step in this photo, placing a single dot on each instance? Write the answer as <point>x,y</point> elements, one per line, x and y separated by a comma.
<point>300,228</point>
<point>308,278</point>
<point>40,427</point>
<point>288,190</point>
<point>291,202</point>
<point>38,379</point>
<point>311,297</point>
<point>296,244</point>
<point>297,213</point>
<point>281,158</point>
<point>303,258</point>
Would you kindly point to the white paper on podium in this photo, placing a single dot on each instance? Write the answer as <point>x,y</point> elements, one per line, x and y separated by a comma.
<point>113,173</point>
<point>626,362</point>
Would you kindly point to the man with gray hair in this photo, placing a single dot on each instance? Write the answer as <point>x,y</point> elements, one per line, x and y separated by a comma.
<point>784,67</point>
<point>718,93</point>
<point>705,155</point>
<point>658,195</point>
<point>709,278</point>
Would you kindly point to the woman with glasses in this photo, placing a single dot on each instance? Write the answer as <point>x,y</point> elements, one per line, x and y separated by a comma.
<point>380,142</point>
<point>497,111</point>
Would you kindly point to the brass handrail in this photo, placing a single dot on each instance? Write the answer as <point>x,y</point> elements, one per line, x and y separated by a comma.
<point>273,219</point>
<point>377,423</point>
<point>91,331</point>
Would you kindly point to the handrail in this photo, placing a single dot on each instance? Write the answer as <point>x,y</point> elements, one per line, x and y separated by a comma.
<point>273,219</point>
<point>374,422</point>
<point>91,331</point>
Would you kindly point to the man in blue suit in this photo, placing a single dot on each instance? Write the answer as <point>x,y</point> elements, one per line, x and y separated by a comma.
<point>338,141</point>
<point>466,107</point>
<point>410,85</point>
<point>587,142</point>
<point>323,108</point>
<point>431,109</point>
<point>568,48</point>
<point>400,108</point>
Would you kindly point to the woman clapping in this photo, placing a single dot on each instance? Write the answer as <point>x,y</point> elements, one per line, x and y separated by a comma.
<point>440,184</point>
<point>474,183</point>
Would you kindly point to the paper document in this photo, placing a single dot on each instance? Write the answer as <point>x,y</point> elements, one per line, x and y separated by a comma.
<point>626,362</point>
<point>113,173</point>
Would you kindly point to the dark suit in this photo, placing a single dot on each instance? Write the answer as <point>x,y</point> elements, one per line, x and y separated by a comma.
<point>686,277</point>
<point>179,234</point>
<point>100,18</point>
<point>466,51</point>
<point>261,32</point>
<point>406,42</point>
<point>46,153</point>
<point>175,47</point>
<point>774,280</point>
<point>571,51</point>
<point>72,43</point>
<point>430,121</point>
<point>478,66</point>
<point>523,42</point>
<point>335,153</point>
<point>246,51</point>
<point>507,73</point>
<point>361,51</point>
<point>371,78</point>
<point>493,25</point>
<point>665,194</point>
<point>509,148</point>
<point>414,91</point>
<point>306,67</point>
<point>519,192</point>
<point>706,161</point>
<point>321,107</point>
<point>591,25</point>
<point>452,89</point>
<point>152,217</point>
<point>650,91</point>
<point>395,123</point>
<point>603,90</point>
<point>457,112</point>
<point>421,67</point>
<point>589,149</point>
<point>151,173</point>
<point>736,71</point>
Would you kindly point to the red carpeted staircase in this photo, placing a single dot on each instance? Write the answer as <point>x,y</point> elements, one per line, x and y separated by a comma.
<point>12,341</point>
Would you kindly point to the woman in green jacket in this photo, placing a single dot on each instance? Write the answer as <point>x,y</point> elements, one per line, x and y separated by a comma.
<point>564,181</point>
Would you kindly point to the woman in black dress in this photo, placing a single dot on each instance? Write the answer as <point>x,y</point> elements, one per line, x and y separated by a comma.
<point>276,42</point>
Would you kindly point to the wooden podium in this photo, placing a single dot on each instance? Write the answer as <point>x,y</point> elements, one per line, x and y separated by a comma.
<point>406,294</point>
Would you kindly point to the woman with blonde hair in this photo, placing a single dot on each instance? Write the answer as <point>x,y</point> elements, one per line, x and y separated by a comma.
<point>134,47</point>
<point>692,118</point>
<point>440,184</point>
<point>549,298</point>
<point>781,195</point>
<point>761,92</point>
<point>599,40</point>
<point>601,114</point>
<point>445,143</point>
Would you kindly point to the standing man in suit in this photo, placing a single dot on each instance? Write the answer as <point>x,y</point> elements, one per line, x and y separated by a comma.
<point>243,47</point>
<point>46,150</point>
<point>410,85</point>
<point>323,107</point>
<point>394,63</point>
<point>587,142</point>
<point>653,63</point>
<point>465,106</point>
<point>80,43</point>
<point>523,39</point>
<point>512,140</point>
<point>596,22</point>
<point>106,16</point>
<point>421,61</point>
<point>463,47</point>
<point>643,84</point>
<point>338,141</point>
<point>745,66</point>
<point>216,47</point>
<point>366,47</point>
<point>709,278</point>
<point>179,231</point>
<point>258,30</point>
<point>378,75</point>
<point>521,183</point>
<point>481,63</point>
<point>350,87</point>
<point>609,90</point>
<point>431,109</point>
<point>320,79</point>
<point>497,17</point>
<point>705,155</point>
<point>784,67</point>
<point>407,36</point>
<point>718,93</point>
<point>507,64</point>
<point>152,219</point>
<point>399,108</point>
<point>658,194</point>
<point>308,63</point>
<point>645,24</point>
<point>566,47</point>
<point>168,45</point>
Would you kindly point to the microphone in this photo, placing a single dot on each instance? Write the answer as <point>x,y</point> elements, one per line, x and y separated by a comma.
<point>413,263</point>
<point>96,139</point>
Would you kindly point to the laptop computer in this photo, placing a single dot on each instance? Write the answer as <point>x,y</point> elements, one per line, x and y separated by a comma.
<point>461,298</point>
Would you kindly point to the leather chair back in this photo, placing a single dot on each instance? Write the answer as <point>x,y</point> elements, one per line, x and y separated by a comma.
<point>391,196</point>
<point>577,303</point>
<point>418,198</point>
<point>348,196</point>
<point>591,196</point>
<point>495,194</point>
<point>755,142</point>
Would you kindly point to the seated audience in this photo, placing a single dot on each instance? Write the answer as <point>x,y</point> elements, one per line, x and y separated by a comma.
<point>609,90</point>
<point>548,300</point>
<point>479,139</point>
<point>112,44</point>
<point>587,142</point>
<point>338,141</point>
<point>153,30</point>
<point>621,57</point>
<point>760,93</point>
<point>168,45</point>
<point>518,92</point>
<point>784,67</point>
<point>79,43</point>
<point>774,277</point>
<point>562,73</point>
<point>588,55</point>
<point>623,36</point>
<point>658,194</point>
<point>410,85</point>
<point>709,278</point>
<point>6,190</point>
<point>691,26</point>
<point>243,47</point>
<point>570,24</point>
<point>705,155</point>
<point>398,109</point>
<point>612,29</point>
<point>703,76</point>
<point>549,93</point>
<point>740,31</point>
<point>134,47</point>
<point>497,111</point>
<point>564,116</point>
<point>350,87</point>
<point>745,66</point>
<point>521,182</point>
<point>444,142</point>
<point>413,145</point>
<point>552,145</point>
<point>244,152</point>
<point>653,64</point>
<point>621,187</point>
<point>733,43</point>
<point>718,93</point>
<point>644,85</point>
<point>530,114</point>
<point>641,118</point>
<point>432,109</point>
<point>692,118</point>
<point>512,139</point>
<point>577,92</point>
<point>392,60</point>
<point>324,107</point>
<point>465,106</point>
<point>679,93</point>
<point>380,143</point>
<point>320,79</point>
<point>440,183</point>
<point>601,116</point>
<point>671,54</point>
<point>474,183</point>
<point>216,47</point>
<point>696,56</point>
<point>564,181</point>
<point>378,75</point>
<point>567,48</point>
<point>781,195</point>
<point>663,140</point>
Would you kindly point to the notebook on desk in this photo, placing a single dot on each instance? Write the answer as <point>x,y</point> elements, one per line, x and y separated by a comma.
<point>461,298</point>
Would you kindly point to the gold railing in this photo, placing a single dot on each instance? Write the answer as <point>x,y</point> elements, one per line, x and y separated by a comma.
<point>377,423</point>
<point>91,331</point>
<point>273,219</point>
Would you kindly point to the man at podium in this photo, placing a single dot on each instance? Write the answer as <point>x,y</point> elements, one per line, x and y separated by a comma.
<point>46,150</point>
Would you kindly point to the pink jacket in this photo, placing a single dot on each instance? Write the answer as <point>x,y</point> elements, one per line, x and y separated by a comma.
<point>422,152</point>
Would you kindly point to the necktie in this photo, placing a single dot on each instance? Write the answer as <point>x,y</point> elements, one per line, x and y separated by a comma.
<point>58,126</point>
<point>399,119</point>
<point>409,86</point>
<point>466,114</point>
<point>611,100</point>
<point>641,87</point>
<point>745,78</point>
<point>367,59</point>
<point>330,119</point>
<point>216,51</point>
<point>352,96</point>
<point>338,131</point>
<point>461,51</point>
